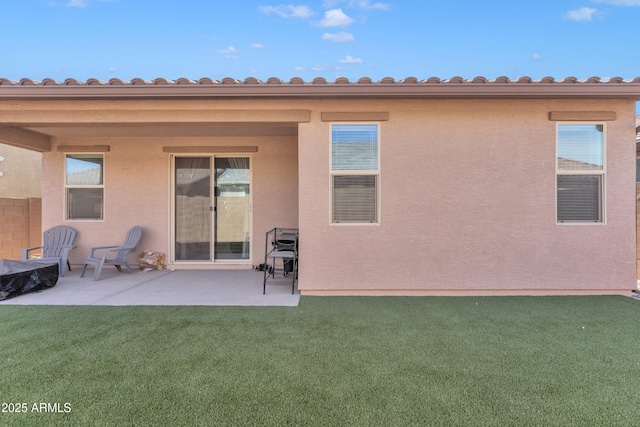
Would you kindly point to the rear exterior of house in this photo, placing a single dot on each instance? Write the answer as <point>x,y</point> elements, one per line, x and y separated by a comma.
<point>398,188</point>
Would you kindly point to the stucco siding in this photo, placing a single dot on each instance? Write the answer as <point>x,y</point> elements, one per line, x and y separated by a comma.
<point>467,191</point>
<point>468,205</point>
<point>138,190</point>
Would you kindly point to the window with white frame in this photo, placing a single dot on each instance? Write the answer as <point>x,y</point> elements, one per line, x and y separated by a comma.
<point>84,186</point>
<point>354,173</point>
<point>580,173</point>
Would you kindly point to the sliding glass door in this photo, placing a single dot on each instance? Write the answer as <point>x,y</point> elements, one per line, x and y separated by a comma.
<point>212,209</point>
<point>232,208</point>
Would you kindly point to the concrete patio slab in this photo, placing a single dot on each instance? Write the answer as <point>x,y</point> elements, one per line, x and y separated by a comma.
<point>163,287</point>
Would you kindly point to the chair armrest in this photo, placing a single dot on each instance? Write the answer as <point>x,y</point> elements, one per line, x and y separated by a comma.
<point>101,248</point>
<point>25,252</point>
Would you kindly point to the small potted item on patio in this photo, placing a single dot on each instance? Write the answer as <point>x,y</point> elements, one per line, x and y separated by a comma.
<point>150,260</point>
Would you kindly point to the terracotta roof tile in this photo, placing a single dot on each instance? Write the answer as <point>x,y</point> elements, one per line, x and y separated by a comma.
<point>317,80</point>
<point>477,87</point>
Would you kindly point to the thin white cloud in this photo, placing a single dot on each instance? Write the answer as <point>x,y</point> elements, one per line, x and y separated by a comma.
<point>81,3</point>
<point>335,18</point>
<point>629,3</point>
<point>341,37</point>
<point>362,4</point>
<point>228,50</point>
<point>288,11</point>
<point>229,53</point>
<point>366,4</point>
<point>583,14</point>
<point>257,46</point>
<point>317,68</point>
<point>536,57</point>
<point>350,60</point>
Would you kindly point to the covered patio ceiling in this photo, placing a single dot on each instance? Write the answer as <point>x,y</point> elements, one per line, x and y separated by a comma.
<point>38,137</point>
<point>166,130</point>
<point>34,129</point>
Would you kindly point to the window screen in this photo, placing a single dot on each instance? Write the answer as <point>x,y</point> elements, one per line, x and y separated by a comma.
<point>354,198</point>
<point>84,203</point>
<point>579,197</point>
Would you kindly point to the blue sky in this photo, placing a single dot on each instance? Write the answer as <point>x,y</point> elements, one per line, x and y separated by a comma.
<point>126,39</point>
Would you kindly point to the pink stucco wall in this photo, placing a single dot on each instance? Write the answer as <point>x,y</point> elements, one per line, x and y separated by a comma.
<point>467,198</point>
<point>137,190</point>
<point>468,205</point>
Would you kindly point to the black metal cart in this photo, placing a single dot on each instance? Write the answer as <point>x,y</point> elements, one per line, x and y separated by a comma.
<point>281,244</point>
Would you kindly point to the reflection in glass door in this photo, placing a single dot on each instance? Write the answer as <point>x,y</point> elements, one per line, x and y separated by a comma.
<point>201,190</point>
<point>232,208</point>
<point>193,208</point>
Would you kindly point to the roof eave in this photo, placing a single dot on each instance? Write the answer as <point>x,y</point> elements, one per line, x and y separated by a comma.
<point>439,90</point>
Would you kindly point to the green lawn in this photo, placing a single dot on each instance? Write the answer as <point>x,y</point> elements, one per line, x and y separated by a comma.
<point>332,361</point>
